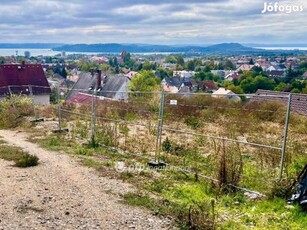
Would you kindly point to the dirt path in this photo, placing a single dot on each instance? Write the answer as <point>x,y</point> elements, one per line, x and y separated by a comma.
<point>61,194</point>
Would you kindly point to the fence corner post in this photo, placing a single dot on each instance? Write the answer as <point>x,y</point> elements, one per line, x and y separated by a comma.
<point>59,108</point>
<point>159,127</point>
<point>93,120</point>
<point>284,143</point>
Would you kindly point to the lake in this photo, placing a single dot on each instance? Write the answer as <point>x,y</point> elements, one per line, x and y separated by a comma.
<point>49,52</point>
<point>282,48</point>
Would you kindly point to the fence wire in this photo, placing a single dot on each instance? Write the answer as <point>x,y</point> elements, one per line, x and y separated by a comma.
<point>246,132</point>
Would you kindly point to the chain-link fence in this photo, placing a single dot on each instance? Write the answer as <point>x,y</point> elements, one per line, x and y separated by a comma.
<point>229,139</point>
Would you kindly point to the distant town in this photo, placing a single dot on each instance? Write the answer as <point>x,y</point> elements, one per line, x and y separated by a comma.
<point>190,72</point>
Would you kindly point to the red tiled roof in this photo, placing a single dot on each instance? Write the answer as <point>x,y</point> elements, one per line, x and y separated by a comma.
<point>298,102</point>
<point>20,76</point>
<point>80,98</point>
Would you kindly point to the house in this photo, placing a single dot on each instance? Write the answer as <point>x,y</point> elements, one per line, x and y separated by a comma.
<point>263,64</point>
<point>17,78</point>
<point>171,84</point>
<point>276,73</point>
<point>112,87</point>
<point>226,93</point>
<point>98,59</point>
<point>186,87</point>
<point>232,76</point>
<point>298,102</point>
<point>131,74</point>
<point>184,74</point>
<point>220,73</point>
<point>169,65</point>
<point>245,67</point>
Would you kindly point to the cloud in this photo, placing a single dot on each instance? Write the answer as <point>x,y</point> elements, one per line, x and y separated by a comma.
<point>147,21</point>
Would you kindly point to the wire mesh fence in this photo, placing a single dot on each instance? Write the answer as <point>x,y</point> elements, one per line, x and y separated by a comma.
<point>229,139</point>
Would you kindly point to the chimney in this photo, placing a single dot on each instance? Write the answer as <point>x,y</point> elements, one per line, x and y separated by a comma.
<point>23,63</point>
<point>98,79</point>
<point>92,72</point>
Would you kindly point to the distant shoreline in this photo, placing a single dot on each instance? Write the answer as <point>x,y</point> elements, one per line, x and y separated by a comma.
<point>49,52</point>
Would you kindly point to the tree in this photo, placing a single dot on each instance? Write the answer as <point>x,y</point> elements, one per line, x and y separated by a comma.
<point>290,75</point>
<point>262,82</point>
<point>145,81</point>
<point>104,67</point>
<point>295,90</point>
<point>281,87</point>
<point>161,73</point>
<point>248,85</point>
<point>170,59</point>
<point>192,64</point>
<point>2,60</point>
<point>149,66</point>
<point>64,73</point>
<point>235,89</point>
<point>229,65</point>
<point>179,60</point>
<point>115,62</point>
<point>298,85</point>
<point>111,62</point>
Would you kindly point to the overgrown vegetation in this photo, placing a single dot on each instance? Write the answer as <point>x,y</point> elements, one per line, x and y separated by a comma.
<point>16,154</point>
<point>126,132</point>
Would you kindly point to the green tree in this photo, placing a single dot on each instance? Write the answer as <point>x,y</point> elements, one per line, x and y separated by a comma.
<point>248,85</point>
<point>298,85</point>
<point>262,82</point>
<point>170,59</point>
<point>2,60</point>
<point>290,75</point>
<point>235,89</point>
<point>149,66</point>
<point>295,90</point>
<point>161,73</point>
<point>145,81</point>
<point>179,60</point>
<point>229,65</point>
<point>281,87</point>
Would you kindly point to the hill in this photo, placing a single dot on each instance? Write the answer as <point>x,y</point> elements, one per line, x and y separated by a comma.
<point>223,48</point>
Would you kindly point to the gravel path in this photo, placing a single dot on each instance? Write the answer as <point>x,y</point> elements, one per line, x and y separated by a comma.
<point>61,194</point>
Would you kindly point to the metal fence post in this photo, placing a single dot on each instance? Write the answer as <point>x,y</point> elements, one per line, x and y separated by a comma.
<point>59,108</point>
<point>284,143</point>
<point>159,127</point>
<point>32,97</point>
<point>93,121</point>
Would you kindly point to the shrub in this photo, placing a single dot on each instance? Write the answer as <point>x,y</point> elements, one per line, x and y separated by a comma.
<point>16,154</point>
<point>13,110</point>
<point>27,160</point>
<point>230,165</point>
<point>167,146</point>
<point>193,122</point>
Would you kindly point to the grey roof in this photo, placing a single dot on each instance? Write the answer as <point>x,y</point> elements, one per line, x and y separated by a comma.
<point>111,85</point>
<point>173,81</point>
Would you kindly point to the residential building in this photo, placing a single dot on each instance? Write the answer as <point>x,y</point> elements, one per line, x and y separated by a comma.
<point>226,93</point>
<point>184,74</point>
<point>111,87</point>
<point>232,76</point>
<point>25,79</point>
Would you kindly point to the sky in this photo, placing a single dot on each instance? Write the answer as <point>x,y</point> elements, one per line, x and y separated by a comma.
<point>150,21</point>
